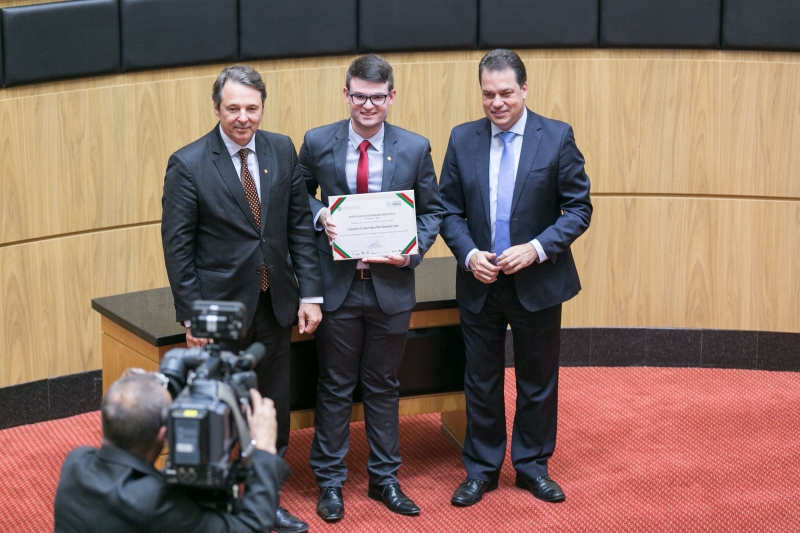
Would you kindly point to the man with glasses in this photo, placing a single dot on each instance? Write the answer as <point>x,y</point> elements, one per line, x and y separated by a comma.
<point>116,488</point>
<point>367,303</point>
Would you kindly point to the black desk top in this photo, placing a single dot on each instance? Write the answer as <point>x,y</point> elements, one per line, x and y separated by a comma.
<point>150,314</point>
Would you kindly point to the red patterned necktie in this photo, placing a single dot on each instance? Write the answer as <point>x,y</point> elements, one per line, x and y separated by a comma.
<point>362,174</point>
<point>255,206</point>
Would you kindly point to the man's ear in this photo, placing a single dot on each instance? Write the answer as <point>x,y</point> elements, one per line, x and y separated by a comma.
<point>162,435</point>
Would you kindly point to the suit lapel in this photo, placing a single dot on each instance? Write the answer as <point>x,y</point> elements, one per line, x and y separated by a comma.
<point>265,162</point>
<point>530,145</point>
<point>390,159</point>
<point>224,164</point>
<point>340,140</point>
<point>481,146</point>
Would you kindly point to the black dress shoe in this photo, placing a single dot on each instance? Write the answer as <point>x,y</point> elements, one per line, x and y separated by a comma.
<point>286,522</point>
<point>543,488</point>
<point>471,491</point>
<point>330,505</point>
<point>393,498</point>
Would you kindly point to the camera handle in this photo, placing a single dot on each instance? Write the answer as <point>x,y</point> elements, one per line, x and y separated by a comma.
<point>246,454</point>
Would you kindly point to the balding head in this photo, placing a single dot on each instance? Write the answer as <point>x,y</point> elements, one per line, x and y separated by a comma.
<point>134,410</point>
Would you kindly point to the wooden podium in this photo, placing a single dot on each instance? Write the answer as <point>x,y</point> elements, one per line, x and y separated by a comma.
<point>139,328</point>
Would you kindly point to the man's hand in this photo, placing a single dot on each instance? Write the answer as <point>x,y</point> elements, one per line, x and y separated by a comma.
<point>517,257</point>
<point>396,260</point>
<point>327,224</point>
<point>262,422</point>
<point>480,264</point>
<point>308,317</point>
<point>195,342</point>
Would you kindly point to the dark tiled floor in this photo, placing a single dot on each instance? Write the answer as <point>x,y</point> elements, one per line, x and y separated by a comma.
<point>75,394</point>
<point>23,404</point>
<point>673,347</point>
<point>576,346</point>
<point>618,346</point>
<point>729,349</point>
<point>778,351</point>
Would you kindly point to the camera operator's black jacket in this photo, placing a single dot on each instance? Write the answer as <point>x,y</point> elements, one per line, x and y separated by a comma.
<point>112,490</point>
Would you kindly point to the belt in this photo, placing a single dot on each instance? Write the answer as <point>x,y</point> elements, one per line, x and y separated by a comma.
<point>363,273</point>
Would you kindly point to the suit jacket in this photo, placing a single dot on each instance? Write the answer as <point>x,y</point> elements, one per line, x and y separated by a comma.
<point>112,490</point>
<point>212,246</point>
<point>322,160</point>
<point>550,203</point>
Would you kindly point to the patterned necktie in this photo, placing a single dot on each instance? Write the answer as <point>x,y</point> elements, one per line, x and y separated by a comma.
<point>255,206</point>
<point>505,191</point>
<point>362,173</point>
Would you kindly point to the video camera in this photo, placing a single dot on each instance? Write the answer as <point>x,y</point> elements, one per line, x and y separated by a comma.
<point>210,448</point>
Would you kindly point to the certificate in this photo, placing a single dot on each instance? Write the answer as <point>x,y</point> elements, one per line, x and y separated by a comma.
<point>374,225</point>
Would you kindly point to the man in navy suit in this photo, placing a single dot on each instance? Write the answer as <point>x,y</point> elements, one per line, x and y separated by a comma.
<point>516,196</point>
<point>367,303</point>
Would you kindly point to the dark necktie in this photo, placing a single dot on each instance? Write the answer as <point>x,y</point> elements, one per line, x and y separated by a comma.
<point>362,174</point>
<point>255,206</point>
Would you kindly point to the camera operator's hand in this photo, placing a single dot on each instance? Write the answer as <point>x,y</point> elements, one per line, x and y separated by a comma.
<point>195,342</point>
<point>263,422</point>
<point>308,317</point>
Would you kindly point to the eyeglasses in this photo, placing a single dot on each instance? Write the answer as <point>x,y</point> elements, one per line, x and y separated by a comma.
<point>361,99</point>
<point>158,376</point>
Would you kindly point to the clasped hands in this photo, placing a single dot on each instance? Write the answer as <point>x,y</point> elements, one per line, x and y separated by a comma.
<point>511,261</point>
<point>330,230</point>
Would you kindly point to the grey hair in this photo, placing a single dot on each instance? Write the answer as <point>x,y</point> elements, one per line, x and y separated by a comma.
<point>500,59</point>
<point>133,411</point>
<point>244,74</point>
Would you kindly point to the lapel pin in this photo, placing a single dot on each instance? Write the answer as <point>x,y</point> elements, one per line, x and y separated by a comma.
<point>265,171</point>
<point>389,158</point>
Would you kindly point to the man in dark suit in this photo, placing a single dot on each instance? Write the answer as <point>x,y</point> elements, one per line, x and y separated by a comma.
<point>367,302</point>
<point>236,226</point>
<point>116,488</point>
<point>516,196</point>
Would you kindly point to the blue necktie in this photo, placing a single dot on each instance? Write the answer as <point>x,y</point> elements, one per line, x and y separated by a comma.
<point>505,191</point>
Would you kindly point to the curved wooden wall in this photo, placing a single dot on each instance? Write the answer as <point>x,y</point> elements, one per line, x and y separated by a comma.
<point>692,155</point>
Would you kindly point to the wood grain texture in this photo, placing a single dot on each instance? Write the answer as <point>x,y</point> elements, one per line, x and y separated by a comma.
<point>117,357</point>
<point>16,3</point>
<point>454,426</point>
<point>47,325</point>
<point>689,263</point>
<point>692,156</point>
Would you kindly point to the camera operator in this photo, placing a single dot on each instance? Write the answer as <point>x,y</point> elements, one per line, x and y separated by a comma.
<point>117,488</point>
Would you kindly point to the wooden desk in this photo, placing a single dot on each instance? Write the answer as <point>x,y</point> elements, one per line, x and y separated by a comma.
<point>139,328</point>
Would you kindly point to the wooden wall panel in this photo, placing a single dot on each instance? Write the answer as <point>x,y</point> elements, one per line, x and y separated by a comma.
<point>692,156</point>
<point>760,113</point>
<point>47,325</point>
<point>689,263</point>
<point>16,3</point>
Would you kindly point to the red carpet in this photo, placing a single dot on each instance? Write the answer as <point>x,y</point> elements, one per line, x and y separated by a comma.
<point>639,449</point>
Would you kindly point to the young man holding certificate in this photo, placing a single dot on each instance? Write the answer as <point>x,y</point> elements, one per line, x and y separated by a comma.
<point>368,301</point>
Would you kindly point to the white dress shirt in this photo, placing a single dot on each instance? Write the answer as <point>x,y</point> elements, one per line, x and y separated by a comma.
<point>495,153</point>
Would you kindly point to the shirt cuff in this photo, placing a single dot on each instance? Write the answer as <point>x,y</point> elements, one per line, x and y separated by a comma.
<point>187,323</point>
<point>317,225</point>
<point>469,256</point>
<point>539,251</point>
<point>406,262</point>
<point>311,300</point>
